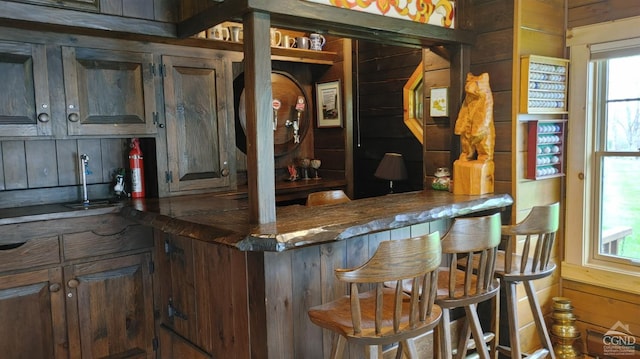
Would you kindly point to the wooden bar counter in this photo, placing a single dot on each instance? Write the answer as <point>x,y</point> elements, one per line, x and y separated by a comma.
<point>243,291</point>
<point>225,221</point>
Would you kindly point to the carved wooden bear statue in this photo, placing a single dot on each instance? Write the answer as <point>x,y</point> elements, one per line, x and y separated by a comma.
<point>475,120</point>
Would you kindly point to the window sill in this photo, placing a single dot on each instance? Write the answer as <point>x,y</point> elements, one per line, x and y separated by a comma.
<point>625,281</point>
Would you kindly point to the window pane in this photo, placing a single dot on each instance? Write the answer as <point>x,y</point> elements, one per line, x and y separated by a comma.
<point>623,126</point>
<point>620,207</point>
<point>624,78</point>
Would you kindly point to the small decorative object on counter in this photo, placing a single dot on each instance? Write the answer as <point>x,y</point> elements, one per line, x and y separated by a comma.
<point>137,170</point>
<point>119,187</point>
<point>305,163</point>
<point>315,164</point>
<point>442,179</point>
<point>293,173</point>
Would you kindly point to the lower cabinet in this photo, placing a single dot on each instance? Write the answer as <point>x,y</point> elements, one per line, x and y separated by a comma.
<point>83,295</point>
<point>202,290</point>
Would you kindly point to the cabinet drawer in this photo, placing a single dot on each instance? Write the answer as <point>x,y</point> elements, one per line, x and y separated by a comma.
<point>90,243</point>
<point>34,252</point>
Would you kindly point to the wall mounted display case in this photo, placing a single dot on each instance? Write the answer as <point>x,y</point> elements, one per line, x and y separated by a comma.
<point>545,149</point>
<point>543,84</point>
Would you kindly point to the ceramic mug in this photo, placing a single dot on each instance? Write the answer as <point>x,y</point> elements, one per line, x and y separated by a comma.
<point>219,32</point>
<point>288,41</point>
<point>316,42</point>
<point>302,42</point>
<point>235,33</point>
<point>276,37</point>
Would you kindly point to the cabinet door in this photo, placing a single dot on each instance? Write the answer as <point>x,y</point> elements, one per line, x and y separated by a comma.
<point>178,292</point>
<point>108,92</point>
<point>198,138</point>
<point>112,314</point>
<point>32,312</point>
<point>24,94</point>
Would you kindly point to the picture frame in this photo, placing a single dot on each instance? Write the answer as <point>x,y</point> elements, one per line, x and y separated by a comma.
<point>439,104</point>
<point>329,104</point>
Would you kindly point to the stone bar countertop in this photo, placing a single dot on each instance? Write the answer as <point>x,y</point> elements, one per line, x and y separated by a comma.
<point>225,221</point>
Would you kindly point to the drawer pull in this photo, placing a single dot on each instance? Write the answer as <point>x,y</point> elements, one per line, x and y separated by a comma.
<point>73,283</point>
<point>110,234</point>
<point>55,287</point>
<point>8,247</point>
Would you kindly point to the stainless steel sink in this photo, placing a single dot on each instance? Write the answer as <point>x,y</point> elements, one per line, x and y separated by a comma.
<point>93,204</point>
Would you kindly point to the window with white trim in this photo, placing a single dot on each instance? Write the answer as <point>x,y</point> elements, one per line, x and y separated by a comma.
<point>602,231</point>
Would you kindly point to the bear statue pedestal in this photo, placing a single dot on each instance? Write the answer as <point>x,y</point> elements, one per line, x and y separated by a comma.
<point>473,177</point>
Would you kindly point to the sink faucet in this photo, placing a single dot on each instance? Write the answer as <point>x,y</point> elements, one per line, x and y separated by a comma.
<point>84,164</point>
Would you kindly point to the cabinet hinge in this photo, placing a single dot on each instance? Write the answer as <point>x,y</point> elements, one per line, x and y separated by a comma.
<point>154,343</point>
<point>168,176</point>
<point>152,267</point>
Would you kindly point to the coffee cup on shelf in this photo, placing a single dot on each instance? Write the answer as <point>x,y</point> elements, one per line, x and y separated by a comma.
<point>302,42</point>
<point>288,41</point>
<point>219,32</point>
<point>235,33</point>
<point>276,37</point>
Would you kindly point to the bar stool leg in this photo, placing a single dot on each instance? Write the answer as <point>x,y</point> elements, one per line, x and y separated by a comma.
<point>338,347</point>
<point>471,312</point>
<point>445,335</point>
<point>512,314</point>
<point>539,318</point>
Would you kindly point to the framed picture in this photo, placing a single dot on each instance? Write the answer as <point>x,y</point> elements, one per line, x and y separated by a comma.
<point>439,102</point>
<point>328,100</point>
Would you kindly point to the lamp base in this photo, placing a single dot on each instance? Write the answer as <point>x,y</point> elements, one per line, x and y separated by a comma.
<point>473,177</point>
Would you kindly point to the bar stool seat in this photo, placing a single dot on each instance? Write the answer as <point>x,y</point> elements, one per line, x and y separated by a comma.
<point>322,198</point>
<point>386,315</point>
<point>526,265</point>
<point>474,241</point>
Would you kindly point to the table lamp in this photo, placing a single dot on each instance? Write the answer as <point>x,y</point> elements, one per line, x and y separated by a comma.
<point>391,168</point>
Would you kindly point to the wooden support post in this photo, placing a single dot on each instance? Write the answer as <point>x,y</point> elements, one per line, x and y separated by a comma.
<point>260,152</point>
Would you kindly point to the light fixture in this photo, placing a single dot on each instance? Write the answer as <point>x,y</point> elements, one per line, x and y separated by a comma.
<point>391,168</point>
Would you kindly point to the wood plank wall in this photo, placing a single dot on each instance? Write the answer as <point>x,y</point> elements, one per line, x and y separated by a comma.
<point>380,74</point>
<point>597,308</point>
<point>330,145</point>
<point>493,53</point>
<point>51,169</point>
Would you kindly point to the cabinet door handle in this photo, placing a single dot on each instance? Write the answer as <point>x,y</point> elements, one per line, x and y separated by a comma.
<point>73,283</point>
<point>54,287</point>
<point>43,117</point>
<point>74,117</point>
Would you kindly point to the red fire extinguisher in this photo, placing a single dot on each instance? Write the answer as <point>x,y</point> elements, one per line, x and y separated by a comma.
<point>137,170</point>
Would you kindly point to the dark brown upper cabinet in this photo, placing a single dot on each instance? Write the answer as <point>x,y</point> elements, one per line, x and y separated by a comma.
<point>109,92</point>
<point>25,108</point>
<point>199,137</point>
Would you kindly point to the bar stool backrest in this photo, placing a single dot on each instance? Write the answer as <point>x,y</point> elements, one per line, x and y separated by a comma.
<point>474,241</point>
<point>538,230</point>
<point>415,259</point>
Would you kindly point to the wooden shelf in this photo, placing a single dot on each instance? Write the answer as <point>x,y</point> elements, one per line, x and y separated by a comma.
<point>543,85</point>
<point>545,149</point>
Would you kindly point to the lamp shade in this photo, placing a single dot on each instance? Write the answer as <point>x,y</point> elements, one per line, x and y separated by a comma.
<point>391,168</point>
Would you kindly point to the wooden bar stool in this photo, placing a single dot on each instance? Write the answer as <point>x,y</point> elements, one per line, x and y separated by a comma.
<point>524,266</point>
<point>327,197</point>
<point>474,242</point>
<point>386,315</point>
